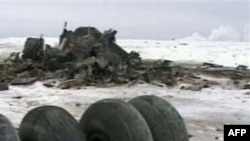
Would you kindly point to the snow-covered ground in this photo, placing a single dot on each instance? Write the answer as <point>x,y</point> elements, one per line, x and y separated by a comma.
<point>205,112</point>
<point>224,53</point>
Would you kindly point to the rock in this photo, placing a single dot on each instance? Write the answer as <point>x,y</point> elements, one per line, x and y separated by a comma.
<point>4,86</point>
<point>23,81</point>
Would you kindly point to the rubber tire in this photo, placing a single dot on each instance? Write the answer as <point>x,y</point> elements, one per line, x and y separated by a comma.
<point>114,120</point>
<point>7,131</point>
<point>163,119</point>
<point>50,123</point>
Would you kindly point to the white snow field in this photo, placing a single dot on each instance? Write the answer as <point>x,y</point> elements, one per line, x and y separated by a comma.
<point>205,112</point>
<point>228,54</point>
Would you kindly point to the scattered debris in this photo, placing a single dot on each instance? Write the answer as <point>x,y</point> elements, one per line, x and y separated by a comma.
<point>184,44</point>
<point>17,97</point>
<point>241,68</point>
<point>70,83</point>
<point>87,57</point>
<point>247,93</point>
<point>190,136</point>
<point>219,129</point>
<point>156,83</point>
<point>192,88</point>
<point>78,105</point>
<point>33,49</point>
<point>23,81</point>
<point>217,138</point>
<point>246,86</point>
<point>212,65</point>
<point>4,86</point>
<point>50,83</point>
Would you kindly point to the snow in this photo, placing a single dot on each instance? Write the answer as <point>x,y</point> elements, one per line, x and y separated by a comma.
<point>204,112</point>
<point>229,54</point>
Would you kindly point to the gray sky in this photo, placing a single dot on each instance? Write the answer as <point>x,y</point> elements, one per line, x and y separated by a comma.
<point>134,19</point>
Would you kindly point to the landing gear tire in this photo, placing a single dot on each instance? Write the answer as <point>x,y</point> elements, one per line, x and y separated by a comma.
<point>7,131</point>
<point>114,120</point>
<point>163,119</point>
<point>50,123</point>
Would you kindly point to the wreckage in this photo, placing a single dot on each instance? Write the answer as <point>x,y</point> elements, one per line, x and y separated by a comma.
<point>87,57</point>
<point>84,57</point>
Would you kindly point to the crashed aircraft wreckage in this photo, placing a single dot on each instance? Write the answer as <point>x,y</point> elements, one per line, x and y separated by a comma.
<point>86,57</point>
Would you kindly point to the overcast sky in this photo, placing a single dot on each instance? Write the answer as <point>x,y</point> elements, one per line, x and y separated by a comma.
<point>134,19</point>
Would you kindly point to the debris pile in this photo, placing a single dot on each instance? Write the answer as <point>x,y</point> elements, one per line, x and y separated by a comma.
<point>84,57</point>
<point>87,57</point>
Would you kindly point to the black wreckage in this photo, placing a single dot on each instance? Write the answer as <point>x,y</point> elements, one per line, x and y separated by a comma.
<point>84,57</point>
<point>87,57</point>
